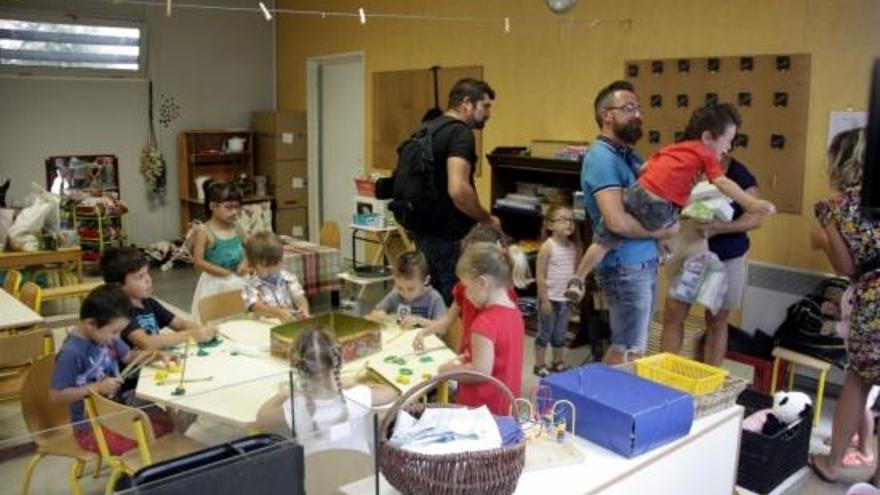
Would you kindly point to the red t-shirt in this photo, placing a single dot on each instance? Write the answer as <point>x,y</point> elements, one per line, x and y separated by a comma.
<point>504,327</point>
<point>673,170</point>
<point>468,313</point>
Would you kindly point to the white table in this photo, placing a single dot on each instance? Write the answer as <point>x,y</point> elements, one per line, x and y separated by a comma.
<point>703,462</point>
<point>14,314</point>
<point>240,384</point>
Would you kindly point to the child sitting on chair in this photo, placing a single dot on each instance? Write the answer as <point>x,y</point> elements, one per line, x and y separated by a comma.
<point>130,269</point>
<point>412,302</point>
<point>90,359</point>
<point>322,406</point>
<point>272,291</point>
<point>665,184</point>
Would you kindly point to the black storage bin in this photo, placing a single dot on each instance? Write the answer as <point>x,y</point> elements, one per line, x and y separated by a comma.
<point>765,462</point>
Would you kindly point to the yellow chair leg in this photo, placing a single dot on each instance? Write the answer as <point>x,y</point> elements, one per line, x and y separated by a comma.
<point>820,394</point>
<point>791,377</point>
<point>443,393</point>
<point>115,474</point>
<point>774,375</point>
<point>28,472</point>
<point>75,472</point>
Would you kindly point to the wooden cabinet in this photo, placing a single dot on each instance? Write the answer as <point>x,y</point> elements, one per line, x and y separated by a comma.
<point>512,168</point>
<point>213,153</point>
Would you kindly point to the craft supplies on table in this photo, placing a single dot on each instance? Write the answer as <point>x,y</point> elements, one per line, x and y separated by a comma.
<point>401,366</point>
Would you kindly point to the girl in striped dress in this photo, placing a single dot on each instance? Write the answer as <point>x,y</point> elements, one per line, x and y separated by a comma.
<point>556,264</point>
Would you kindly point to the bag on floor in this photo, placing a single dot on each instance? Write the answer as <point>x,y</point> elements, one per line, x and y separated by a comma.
<point>801,331</point>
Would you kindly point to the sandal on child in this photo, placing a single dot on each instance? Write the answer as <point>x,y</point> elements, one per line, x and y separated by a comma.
<point>559,367</point>
<point>541,370</point>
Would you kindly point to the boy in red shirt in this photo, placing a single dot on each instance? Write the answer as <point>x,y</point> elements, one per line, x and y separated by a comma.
<point>497,332</point>
<point>665,184</point>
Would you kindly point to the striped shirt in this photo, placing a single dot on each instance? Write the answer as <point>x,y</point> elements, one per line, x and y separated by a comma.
<point>273,291</point>
<point>560,268</point>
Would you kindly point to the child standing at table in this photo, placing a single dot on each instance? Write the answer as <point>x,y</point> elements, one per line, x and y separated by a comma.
<point>555,266</point>
<point>412,302</point>
<point>461,306</point>
<point>90,359</point>
<point>497,333</point>
<point>322,406</point>
<point>218,245</point>
<point>272,291</point>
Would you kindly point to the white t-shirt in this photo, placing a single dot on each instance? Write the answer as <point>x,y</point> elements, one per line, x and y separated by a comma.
<point>355,433</point>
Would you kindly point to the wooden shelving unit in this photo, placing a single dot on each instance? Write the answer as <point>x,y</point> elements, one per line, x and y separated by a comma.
<point>204,153</point>
<point>511,165</point>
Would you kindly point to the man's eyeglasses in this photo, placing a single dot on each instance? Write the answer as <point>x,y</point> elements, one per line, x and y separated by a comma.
<point>630,108</point>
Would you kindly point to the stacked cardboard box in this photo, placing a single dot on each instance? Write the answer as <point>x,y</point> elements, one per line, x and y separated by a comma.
<point>281,147</point>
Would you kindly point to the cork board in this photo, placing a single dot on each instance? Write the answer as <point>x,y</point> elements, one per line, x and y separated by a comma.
<point>771,93</point>
<point>400,100</point>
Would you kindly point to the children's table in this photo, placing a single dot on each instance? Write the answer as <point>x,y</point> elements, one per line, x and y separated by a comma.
<point>14,314</point>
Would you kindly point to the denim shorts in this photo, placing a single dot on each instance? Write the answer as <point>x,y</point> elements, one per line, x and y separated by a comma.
<point>630,291</point>
<point>652,212</point>
<point>553,327</point>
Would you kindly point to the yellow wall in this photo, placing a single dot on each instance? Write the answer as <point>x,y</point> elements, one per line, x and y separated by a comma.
<point>547,70</point>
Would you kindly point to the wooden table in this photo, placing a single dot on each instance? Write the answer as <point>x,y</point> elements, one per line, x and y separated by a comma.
<point>14,314</point>
<point>705,461</point>
<point>22,259</point>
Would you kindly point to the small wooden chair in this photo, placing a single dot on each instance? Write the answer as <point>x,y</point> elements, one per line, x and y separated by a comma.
<point>31,295</point>
<point>12,282</point>
<point>330,236</point>
<point>220,306</point>
<point>18,350</point>
<point>49,425</point>
<point>795,358</point>
<point>132,423</point>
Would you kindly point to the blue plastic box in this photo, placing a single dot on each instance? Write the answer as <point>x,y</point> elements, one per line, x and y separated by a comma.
<point>622,412</point>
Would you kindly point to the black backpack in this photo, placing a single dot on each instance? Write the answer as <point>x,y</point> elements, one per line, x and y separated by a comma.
<point>417,203</point>
<point>801,331</point>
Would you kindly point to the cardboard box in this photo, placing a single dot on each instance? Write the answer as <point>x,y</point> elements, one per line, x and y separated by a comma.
<point>622,412</point>
<point>293,222</point>
<point>357,337</point>
<point>280,136</point>
<point>290,185</point>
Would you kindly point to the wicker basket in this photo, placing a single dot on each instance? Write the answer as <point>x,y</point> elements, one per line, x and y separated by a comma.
<point>681,373</point>
<point>494,472</point>
<point>706,404</point>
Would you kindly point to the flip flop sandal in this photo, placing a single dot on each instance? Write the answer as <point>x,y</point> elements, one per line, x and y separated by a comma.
<point>855,459</point>
<point>819,473</point>
<point>559,367</point>
<point>541,371</point>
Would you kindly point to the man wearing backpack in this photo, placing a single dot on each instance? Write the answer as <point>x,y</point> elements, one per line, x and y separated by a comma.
<point>434,194</point>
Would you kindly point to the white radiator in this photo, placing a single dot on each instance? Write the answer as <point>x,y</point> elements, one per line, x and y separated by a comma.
<point>770,290</point>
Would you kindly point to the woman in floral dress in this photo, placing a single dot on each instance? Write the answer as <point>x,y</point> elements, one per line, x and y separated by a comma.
<point>852,244</point>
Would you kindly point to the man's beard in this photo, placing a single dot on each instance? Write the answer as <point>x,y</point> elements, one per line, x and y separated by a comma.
<point>630,132</point>
<point>478,124</point>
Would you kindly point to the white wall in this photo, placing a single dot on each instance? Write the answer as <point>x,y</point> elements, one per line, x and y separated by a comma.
<point>217,65</point>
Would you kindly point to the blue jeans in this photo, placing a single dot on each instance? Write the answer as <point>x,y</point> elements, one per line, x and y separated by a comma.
<point>552,327</point>
<point>630,291</point>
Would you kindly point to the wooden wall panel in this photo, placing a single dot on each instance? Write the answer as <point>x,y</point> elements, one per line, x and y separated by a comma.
<point>400,100</point>
<point>780,172</point>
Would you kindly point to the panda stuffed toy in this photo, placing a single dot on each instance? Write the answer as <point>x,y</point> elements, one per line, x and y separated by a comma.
<point>788,409</point>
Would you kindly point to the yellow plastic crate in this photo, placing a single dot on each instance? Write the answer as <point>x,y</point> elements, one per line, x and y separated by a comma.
<point>681,373</point>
